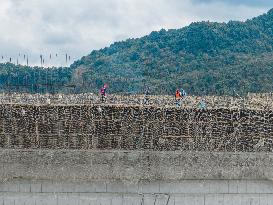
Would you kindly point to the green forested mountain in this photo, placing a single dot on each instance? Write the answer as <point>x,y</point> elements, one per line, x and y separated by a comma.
<point>203,58</point>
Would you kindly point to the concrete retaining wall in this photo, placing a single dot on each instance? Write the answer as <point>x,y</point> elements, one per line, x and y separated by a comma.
<point>64,177</point>
<point>186,192</point>
<point>132,166</point>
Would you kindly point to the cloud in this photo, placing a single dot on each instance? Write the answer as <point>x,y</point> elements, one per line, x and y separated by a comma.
<point>256,3</point>
<point>77,27</point>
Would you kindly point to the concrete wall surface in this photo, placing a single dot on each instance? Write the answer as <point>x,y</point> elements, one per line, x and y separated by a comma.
<point>132,166</point>
<point>64,177</point>
<point>184,192</point>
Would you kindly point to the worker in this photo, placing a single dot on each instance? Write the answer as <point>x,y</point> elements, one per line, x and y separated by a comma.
<point>202,104</point>
<point>103,93</point>
<point>177,97</point>
<point>183,96</point>
<point>146,96</point>
<point>183,93</point>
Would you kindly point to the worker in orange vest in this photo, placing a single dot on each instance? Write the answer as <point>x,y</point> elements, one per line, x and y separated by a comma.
<point>177,97</point>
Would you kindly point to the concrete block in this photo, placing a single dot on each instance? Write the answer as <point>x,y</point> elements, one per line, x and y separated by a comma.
<point>68,199</point>
<point>95,198</point>
<point>132,188</point>
<point>217,186</point>
<point>233,186</point>
<point>90,187</point>
<point>148,187</point>
<point>185,186</point>
<point>162,199</point>
<point>105,200</point>
<point>200,199</point>
<point>118,200</point>
<point>36,187</point>
<point>148,200</point>
<point>49,187</point>
<point>263,199</point>
<point>266,199</point>
<point>67,187</point>
<point>232,199</point>
<point>237,186</point>
<point>180,200</point>
<point>252,186</point>
<point>13,187</point>
<point>214,199</point>
<point>251,199</point>
<point>196,186</point>
<point>173,187</point>
<point>9,187</point>
<point>131,200</point>
<point>87,201</point>
<point>84,188</point>
<point>27,200</point>
<point>267,187</point>
<point>3,187</point>
<point>119,187</point>
<point>9,201</point>
<point>170,201</point>
<point>115,187</point>
<point>259,186</point>
<point>24,187</point>
<point>46,199</point>
<point>196,199</point>
<point>242,186</point>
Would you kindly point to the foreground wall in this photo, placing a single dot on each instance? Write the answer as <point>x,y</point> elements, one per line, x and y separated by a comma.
<point>186,192</point>
<point>64,177</point>
<point>133,166</point>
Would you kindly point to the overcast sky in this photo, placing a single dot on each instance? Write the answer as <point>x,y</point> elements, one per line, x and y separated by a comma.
<point>76,27</point>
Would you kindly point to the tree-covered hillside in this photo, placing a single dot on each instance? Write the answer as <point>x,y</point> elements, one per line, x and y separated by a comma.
<point>35,79</point>
<point>203,58</point>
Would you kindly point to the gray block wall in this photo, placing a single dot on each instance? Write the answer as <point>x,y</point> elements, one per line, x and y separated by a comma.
<point>132,166</point>
<point>65,177</point>
<point>188,192</point>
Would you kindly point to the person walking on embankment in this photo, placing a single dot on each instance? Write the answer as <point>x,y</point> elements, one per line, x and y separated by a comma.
<point>103,93</point>
<point>178,97</point>
<point>146,96</point>
<point>202,105</point>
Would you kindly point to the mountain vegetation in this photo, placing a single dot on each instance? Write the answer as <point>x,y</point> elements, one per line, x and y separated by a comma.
<point>202,58</point>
